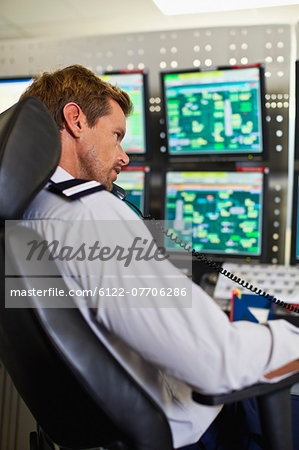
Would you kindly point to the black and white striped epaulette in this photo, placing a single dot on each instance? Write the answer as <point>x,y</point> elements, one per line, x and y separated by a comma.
<point>75,188</point>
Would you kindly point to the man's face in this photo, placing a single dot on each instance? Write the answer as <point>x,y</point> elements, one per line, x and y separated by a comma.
<point>101,156</point>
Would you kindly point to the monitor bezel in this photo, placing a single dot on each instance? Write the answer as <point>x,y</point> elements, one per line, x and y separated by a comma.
<point>294,225</point>
<point>146,194</point>
<point>217,156</point>
<point>221,257</point>
<point>18,78</point>
<point>139,157</point>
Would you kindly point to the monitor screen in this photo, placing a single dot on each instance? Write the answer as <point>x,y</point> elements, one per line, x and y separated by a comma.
<point>216,212</point>
<point>295,222</point>
<point>217,112</point>
<point>10,91</point>
<point>133,180</point>
<point>297,112</point>
<point>135,84</point>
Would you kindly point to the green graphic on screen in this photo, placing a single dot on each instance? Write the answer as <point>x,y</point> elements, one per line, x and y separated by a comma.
<point>132,181</point>
<point>214,112</point>
<point>135,139</point>
<point>220,212</point>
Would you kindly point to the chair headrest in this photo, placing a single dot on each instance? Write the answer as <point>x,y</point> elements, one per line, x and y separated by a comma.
<point>29,154</point>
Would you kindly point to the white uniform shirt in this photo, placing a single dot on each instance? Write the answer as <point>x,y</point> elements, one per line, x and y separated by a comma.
<point>167,349</point>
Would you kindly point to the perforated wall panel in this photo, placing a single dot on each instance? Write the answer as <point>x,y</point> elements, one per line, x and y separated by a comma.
<point>183,49</point>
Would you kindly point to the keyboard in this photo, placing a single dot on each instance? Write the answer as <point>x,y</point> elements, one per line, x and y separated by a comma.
<point>278,280</point>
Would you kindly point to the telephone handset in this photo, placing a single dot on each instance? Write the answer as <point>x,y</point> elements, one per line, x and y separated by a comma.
<point>121,194</point>
<point>118,191</point>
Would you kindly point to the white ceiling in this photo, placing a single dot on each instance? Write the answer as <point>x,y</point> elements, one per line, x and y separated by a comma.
<point>21,19</point>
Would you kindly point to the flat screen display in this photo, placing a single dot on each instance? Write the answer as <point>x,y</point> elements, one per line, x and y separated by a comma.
<point>133,181</point>
<point>135,140</point>
<point>297,112</point>
<point>216,212</point>
<point>10,91</point>
<point>217,112</point>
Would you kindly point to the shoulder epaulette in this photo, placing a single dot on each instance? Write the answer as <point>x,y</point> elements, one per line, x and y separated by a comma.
<point>75,188</point>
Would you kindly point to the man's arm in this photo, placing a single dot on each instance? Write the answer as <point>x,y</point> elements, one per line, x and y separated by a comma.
<point>187,336</point>
<point>287,368</point>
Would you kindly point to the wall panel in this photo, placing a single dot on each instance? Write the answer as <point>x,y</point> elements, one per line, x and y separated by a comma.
<point>177,49</point>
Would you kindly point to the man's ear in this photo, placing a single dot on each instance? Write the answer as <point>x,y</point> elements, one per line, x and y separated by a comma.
<point>74,118</point>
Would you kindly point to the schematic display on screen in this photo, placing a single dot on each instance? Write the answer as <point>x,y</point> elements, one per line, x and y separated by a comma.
<point>216,212</point>
<point>133,83</point>
<point>214,112</point>
<point>10,91</point>
<point>133,183</point>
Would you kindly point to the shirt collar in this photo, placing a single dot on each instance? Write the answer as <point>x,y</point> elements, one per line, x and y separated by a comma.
<point>61,175</point>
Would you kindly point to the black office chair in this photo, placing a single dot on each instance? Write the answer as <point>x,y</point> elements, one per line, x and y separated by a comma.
<point>80,396</point>
<point>78,393</point>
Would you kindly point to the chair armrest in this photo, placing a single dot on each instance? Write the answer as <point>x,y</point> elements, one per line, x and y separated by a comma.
<point>255,390</point>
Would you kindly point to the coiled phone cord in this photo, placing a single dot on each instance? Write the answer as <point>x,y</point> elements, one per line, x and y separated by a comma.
<point>214,265</point>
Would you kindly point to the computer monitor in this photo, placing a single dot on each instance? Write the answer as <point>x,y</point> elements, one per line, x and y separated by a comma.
<point>134,180</point>
<point>295,222</point>
<point>11,89</point>
<point>217,112</point>
<point>297,111</point>
<point>218,213</point>
<point>136,141</point>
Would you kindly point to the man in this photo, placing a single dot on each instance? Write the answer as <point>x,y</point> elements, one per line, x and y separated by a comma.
<point>167,346</point>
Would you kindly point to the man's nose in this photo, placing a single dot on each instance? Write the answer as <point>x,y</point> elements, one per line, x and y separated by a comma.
<point>124,157</point>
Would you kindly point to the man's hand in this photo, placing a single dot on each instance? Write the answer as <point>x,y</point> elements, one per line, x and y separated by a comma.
<point>288,368</point>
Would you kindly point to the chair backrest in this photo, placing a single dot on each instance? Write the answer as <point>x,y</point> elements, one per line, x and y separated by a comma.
<point>29,154</point>
<point>76,390</point>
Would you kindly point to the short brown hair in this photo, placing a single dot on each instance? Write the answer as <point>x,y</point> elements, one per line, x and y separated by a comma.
<point>80,85</point>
